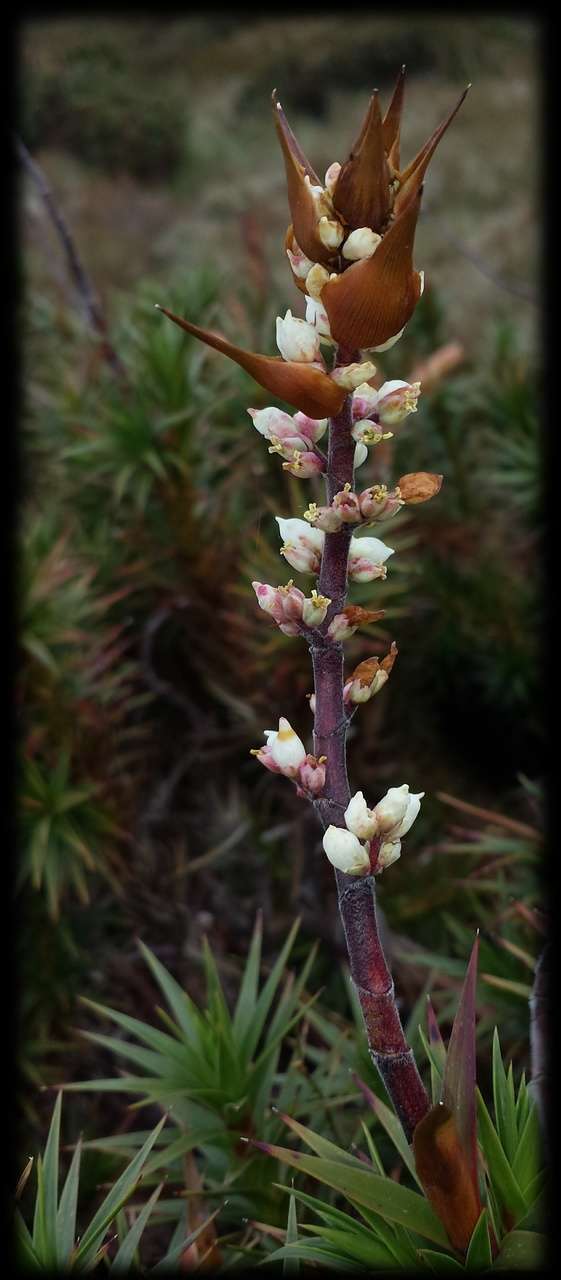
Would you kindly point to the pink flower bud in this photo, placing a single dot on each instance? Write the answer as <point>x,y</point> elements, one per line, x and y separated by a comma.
<point>304,465</point>
<point>302,545</point>
<point>301,265</point>
<point>310,429</point>
<point>325,518</point>
<point>367,558</point>
<point>311,775</point>
<point>378,503</point>
<point>365,400</point>
<point>345,503</point>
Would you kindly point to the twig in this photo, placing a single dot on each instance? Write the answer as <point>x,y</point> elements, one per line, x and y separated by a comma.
<point>77,271</point>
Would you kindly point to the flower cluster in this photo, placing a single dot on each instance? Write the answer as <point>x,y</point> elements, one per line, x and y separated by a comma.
<point>371,838</point>
<point>303,547</point>
<point>350,241</point>
<point>284,752</point>
<point>290,608</point>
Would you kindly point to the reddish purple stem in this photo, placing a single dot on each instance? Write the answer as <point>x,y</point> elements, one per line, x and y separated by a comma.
<point>357,895</point>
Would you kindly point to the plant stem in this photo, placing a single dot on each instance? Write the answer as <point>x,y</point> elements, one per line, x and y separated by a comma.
<point>356,895</point>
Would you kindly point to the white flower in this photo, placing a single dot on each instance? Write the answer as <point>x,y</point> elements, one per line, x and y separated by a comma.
<point>314,609</point>
<point>361,243</point>
<point>302,544</point>
<point>397,811</point>
<point>360,819</point>
<point>297,340</point>
<point>346,852</point>
<point>361,454</point>
<point>300,264</point>
<point>367,558</point>
<point>286,749</point>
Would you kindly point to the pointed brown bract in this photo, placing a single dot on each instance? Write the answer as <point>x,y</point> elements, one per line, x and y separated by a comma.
<point>306,389</point>
<point>359,617</point>
<point>362,191</point>
<point>412,177</point>
<point>300,198</point>
<point>374,299</point>
<point>444,1171</point>
<point>391,124</point>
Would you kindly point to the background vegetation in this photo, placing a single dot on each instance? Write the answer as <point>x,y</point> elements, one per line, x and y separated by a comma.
<point>146,671</point>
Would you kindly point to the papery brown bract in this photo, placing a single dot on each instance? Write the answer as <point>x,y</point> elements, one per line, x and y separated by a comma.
<point>304,387</point>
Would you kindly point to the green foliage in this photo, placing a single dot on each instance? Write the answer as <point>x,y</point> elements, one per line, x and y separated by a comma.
<point>56,1243</point>
<point>395,1225</point>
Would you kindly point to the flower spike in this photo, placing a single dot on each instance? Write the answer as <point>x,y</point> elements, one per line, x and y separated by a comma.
<point>301,385</point>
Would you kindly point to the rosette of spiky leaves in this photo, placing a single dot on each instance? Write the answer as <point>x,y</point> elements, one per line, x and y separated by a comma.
<point>58,1241</point>
<point>378,1222</point>
<point>65,832</point>
<point>215,1072</point>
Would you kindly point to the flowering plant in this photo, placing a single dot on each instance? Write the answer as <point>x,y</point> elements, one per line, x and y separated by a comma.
<point>350,250</point>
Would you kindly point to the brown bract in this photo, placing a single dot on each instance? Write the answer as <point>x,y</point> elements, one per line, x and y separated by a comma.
<point>445,1174</point>
<point>307,389</point>
<point>300,197</point>
<point>369,668</point>
<point>373,299</point>
<point>362,190</point>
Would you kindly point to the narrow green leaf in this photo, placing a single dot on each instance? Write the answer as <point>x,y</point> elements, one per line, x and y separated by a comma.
<point>291,1266</point>
<point>267,994</point>
<point>179,1002</point>
<point>24,1244</point>
<point>502,1177</point>
<point>116,1197</point>
<point>479,1256</point>
<point>247,995</point>
<point>175,1252</point>
<point>322,1146</point>
<point>503,1100</point>
<point>391,1124</point>
<point>124,1258</point>
<point>386,1197</point>
<point>358,1246</point>
<point>66,1216</point>
<point>527,1158</point>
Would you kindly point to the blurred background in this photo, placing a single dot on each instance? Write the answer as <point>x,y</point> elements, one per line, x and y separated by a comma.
<point>147,672</point>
